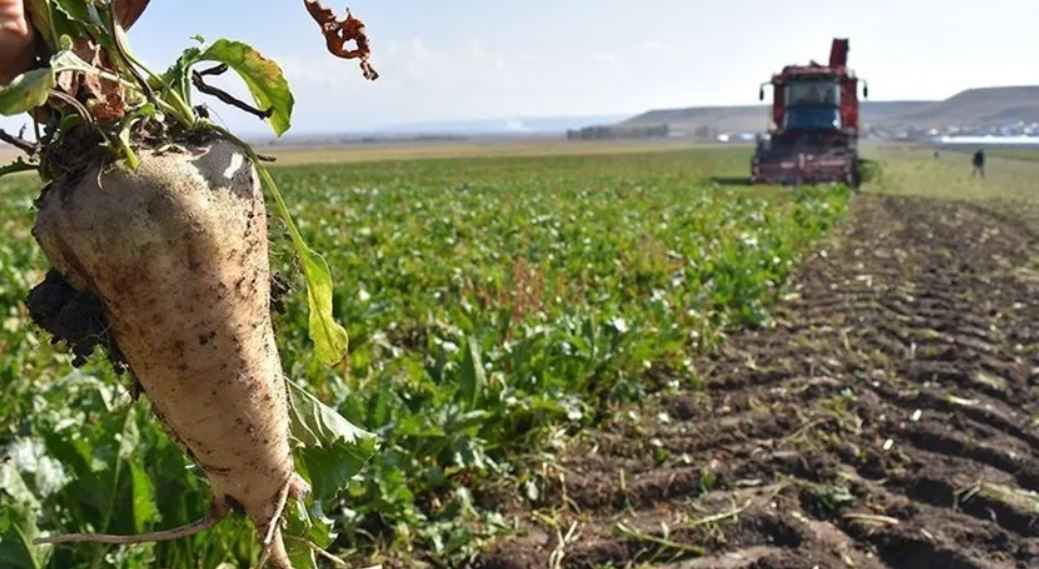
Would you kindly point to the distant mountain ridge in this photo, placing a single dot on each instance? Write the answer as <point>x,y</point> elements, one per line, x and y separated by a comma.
<point>991,105</point>
<point>501,126</point>
<point>974,107</point>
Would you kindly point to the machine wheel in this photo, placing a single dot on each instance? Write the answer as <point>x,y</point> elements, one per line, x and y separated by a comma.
<point>855,175</point>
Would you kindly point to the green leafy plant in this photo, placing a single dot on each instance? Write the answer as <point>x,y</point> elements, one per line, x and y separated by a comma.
<point>490,312</point>
<point>435,256</point>
<point>93,88</point>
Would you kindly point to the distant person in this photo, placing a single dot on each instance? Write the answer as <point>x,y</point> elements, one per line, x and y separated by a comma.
<point>979,164</point>
<point>937,155</point>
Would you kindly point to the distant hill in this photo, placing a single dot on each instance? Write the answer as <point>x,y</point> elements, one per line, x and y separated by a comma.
<point>975,107</point>
<point>987,106</point>
<point>500,126</point>
<point>689,120</point>
<point>752,118</point>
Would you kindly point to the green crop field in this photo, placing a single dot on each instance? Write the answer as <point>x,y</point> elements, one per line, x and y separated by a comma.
<point>494,304</point>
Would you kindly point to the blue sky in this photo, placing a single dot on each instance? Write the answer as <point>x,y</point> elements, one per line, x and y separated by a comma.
<point>459,59</point>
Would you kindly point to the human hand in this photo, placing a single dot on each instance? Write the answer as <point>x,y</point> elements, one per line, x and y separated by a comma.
<point>16,39</point>
<point>17,36</point>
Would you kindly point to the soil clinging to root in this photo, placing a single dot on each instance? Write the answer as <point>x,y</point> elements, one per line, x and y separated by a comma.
<point>887,420</point>
<point>74,317</point>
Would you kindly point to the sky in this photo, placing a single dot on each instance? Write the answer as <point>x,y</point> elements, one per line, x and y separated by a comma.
<point>473,59</point>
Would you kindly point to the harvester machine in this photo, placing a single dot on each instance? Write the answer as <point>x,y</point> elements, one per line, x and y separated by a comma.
<point>814,132</point>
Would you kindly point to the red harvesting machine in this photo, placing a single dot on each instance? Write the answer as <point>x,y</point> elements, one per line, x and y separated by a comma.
<point>814,132</point>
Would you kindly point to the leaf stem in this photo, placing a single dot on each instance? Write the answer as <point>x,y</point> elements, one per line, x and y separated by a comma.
<point>123,53</point>
<point>225,97</point>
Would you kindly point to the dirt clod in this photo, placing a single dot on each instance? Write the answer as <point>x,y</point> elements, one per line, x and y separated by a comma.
<point>76,318</point>
<point>281,287</point>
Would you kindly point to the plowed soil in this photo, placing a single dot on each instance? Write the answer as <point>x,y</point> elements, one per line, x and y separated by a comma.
<point>888,419</point>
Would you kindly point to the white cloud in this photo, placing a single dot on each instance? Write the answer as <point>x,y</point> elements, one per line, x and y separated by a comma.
<point>325,72</point>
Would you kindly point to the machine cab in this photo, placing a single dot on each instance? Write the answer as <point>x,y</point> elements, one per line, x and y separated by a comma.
<point>815,97</point>
<point>812,104</point>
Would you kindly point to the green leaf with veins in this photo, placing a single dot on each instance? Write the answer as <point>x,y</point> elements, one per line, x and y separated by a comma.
<point>79,11</point>
<point>264,77</point>
<point>331,450</point>
<point>302,526</point>
<point>330,339</point>
<point>300,555</point>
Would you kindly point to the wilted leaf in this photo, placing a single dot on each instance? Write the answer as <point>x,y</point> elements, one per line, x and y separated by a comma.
<point>107,98</point>
<point>67,60</point>
<point>80,68</point>
<point>338,34</point>
<point>179,74</point>
<point>28,91</point>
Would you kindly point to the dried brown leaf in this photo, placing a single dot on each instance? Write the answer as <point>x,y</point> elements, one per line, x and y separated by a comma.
<point>339,33</point>
<point>105,98</point>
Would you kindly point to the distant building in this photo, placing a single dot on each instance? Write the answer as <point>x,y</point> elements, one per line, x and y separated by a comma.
<point>618,132</point>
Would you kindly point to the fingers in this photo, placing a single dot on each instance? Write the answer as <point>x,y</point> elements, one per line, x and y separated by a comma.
<point>16,40</point>
<point>16,36</point>
<point>12,18</point>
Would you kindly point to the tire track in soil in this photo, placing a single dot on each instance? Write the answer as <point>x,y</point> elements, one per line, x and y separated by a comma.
<point>887,420</point>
